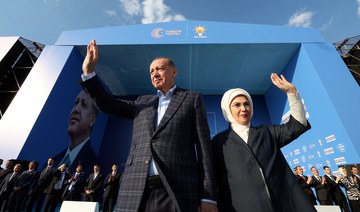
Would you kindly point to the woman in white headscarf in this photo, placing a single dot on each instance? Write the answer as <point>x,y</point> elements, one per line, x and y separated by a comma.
<point>252,173</point>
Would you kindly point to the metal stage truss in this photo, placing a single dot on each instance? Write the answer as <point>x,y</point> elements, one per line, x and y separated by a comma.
<point>349,49</point>
<point>15,67</point>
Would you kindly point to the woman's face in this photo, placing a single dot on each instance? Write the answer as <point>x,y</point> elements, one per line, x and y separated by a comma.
<point>345,172</point>
<point>241,110</point>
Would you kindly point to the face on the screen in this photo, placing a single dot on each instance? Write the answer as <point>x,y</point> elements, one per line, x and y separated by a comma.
<point>81,118</point>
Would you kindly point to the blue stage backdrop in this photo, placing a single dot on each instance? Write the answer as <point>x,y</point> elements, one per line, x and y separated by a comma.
<point>211,57</point>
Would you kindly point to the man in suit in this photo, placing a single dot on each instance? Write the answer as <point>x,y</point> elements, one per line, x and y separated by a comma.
<point>7,186</point>
<point>21,187</point>
<point>1,162</point>
<point>80,123</point>
<point>305,184</point>
<point>322,192</point>
<point>355,173</point>
<point>162,158</point>
<point>37,194</point>
<point>111,188</point>
<point>93,184</point>
<point>55,189</point>
<point>7,170</point>
<point>295,173</point>
<point>74,187</point>
<point>332,184</point>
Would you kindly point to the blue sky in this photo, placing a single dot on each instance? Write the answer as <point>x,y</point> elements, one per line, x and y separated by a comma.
<point>44,20</point>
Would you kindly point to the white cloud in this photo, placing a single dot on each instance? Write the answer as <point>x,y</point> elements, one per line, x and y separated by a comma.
<point>145,11</point>
<point>156,11</point>
<point>325,26</point>
<point>301,18</point>
<point>358,10</point>
<point>111,13</point>
<point>132,7</point>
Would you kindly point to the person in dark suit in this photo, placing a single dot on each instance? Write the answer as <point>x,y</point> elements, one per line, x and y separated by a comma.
<point>7,187</point>
<point>93,184</point>
<point>322,192</point>
<point>166,129</point>
<point>21,187</point>
<point>305,184</point>
<point>111,188</point>
<point>37,194</point>
<point>355,173</point>
<point>7,170</point>
<point>55,189</point>
<point>252,173</point>
<point>80,123</point>
<point>352,189</point>
<point>295,173</point>
<point>1,162</point>
<point>333,185</point>
<point>74,187</point>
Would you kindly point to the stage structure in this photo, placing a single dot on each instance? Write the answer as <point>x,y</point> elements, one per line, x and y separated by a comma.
<point>349,49</point>
<point>17,57</point>
<point>211,57</point>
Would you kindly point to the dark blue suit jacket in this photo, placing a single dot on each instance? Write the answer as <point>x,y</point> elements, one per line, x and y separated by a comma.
<point>86,156</point>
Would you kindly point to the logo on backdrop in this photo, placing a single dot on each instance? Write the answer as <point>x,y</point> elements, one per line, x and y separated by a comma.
<point>296,161</point>
<point>329,151</point>
<point>330,138</point>
<point>160,32</point>
<point>320,142</point>
<point>340,160</point>
<point>341,147</point>
<point>200,31</point>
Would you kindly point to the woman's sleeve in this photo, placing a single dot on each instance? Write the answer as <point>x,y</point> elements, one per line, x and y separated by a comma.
<point>297,108</point>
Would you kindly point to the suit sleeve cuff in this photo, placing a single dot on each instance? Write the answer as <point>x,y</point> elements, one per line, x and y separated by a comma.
<point>207,200</point>
<point>89,76</point>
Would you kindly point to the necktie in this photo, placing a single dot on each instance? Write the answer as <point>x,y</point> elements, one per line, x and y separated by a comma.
<point>11,176</point>
<point>67,159</point>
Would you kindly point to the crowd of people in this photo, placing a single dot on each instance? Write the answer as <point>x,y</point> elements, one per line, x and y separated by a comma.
<point>327,187</point>
<point>44,189</point>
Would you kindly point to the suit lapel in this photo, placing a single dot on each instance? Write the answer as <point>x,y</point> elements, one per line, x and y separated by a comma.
<point>251,137</point>
<point>234,136</point>
<point>176,101</point>
<point>153,113</point>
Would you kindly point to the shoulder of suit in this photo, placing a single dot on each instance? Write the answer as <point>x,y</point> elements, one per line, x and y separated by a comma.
<point>221,135</point>
<point>146,98</point>
<point>260,127</point>
<point>191,92</point>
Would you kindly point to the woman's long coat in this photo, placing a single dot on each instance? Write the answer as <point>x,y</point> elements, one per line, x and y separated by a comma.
<point>255,176</point>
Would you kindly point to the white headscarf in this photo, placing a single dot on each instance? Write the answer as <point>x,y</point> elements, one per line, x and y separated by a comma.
<point>241,130</point>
